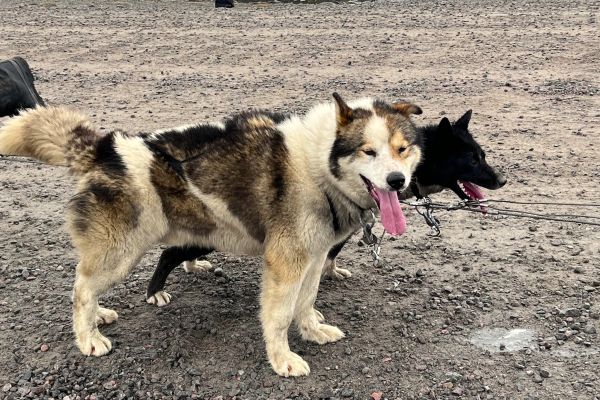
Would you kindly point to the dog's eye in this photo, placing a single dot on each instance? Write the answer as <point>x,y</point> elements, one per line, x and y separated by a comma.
<point>369,152</point>
<point>401,150</point>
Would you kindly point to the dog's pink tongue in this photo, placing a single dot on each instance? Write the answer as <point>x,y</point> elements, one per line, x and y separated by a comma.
<point>392,217</point>
<point>475,193</point>
<point>473,190</point>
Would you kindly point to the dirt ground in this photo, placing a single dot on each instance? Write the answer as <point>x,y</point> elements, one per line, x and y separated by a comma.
<point>530,72</point>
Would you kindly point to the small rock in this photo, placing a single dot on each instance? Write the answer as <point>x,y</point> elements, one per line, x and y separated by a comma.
<point>578,270</point>
<point>537,379</point>
<point>519,366</point>
<point>26,375</point>
<point>219,272</point>
<point>44,348</point>
<point>457,391</point>
<point>420,367</point>
<point>366,370</point>
<point>6,387</point>
<point>589,329</point>
<point>347,392</point>
<point>544,373</point>
<point>376,395</point>
<point>572,312</point>
<point>110,385</point>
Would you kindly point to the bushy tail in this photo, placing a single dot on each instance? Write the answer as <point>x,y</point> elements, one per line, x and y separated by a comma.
<point>54,135</point>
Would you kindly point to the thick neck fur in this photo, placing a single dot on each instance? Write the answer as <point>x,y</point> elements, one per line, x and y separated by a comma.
<point>309,139</point>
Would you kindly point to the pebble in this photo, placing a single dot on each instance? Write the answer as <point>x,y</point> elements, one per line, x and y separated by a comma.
<point>6,387</point>
<point>219,272</point>
<point>589,329</point>
<point>44,348</point>
<point>572,312</point>
<point>544,373</point>
<point>537,379</point>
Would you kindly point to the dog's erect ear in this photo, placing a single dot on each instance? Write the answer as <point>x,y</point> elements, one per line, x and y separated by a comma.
<point>343,112</point>
<point>405,108</point>
<point>463,122</point>
<point>445,126</point>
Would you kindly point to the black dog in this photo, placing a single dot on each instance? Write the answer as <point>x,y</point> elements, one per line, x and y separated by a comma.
<point>452,159</point>
<point>17,91</point>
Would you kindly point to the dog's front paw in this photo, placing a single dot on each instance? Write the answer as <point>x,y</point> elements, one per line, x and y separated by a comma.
<point>197,266</point>
<point>160,298</point>
<point>288,363</point>
<point>321,333</point>
<point>105,316</point>
<point>94,344</point>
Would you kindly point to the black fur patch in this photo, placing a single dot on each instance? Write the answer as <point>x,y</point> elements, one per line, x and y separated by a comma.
<point>335,250</point>
<point>278,184</point>
<point>335,219</point>
<point>103,193</point>
<point>107,157</point>
<point>79,205</point>
<point>342,147</point>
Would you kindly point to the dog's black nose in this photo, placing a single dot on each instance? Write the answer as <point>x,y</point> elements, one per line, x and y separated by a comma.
<point>396,180</point>
<point>501,180</point>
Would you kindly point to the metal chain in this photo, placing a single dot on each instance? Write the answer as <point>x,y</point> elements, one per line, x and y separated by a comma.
<point>425,208</point>
<point>370,239</point>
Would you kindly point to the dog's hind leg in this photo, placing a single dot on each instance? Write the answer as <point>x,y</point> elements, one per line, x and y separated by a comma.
<point>308,319</point>
<point>96,273</point>
<point>169,259</point>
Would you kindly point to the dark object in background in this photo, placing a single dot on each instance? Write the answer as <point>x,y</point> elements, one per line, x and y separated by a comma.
<point>224,3</point>
<point>16,87</point>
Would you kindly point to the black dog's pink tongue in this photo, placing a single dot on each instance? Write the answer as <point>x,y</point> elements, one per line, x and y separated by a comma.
<point>392,217</point>
<point>475,193</point>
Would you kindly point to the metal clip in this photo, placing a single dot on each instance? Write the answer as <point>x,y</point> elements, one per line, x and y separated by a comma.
<point>368,236</point>
<point>430,219</point>
<point>370,239</point>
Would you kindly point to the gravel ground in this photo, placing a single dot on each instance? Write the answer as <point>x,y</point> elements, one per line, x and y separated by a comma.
<point>529,71</point>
